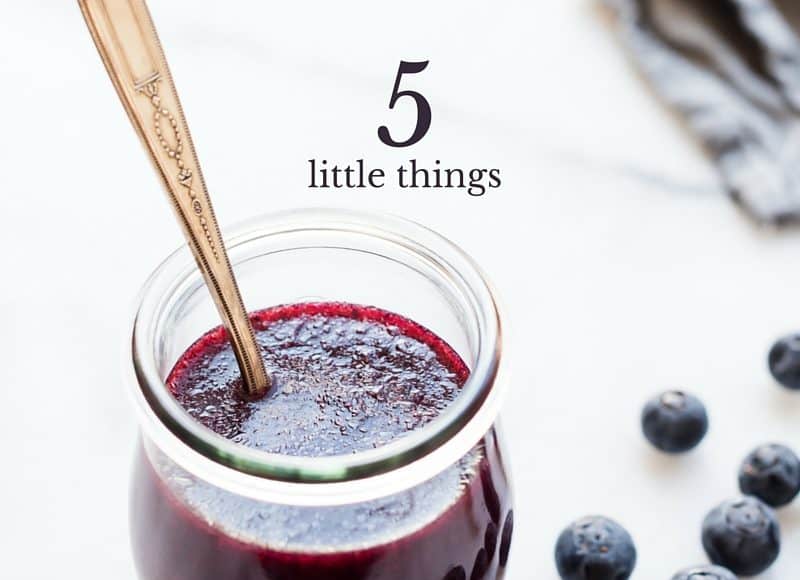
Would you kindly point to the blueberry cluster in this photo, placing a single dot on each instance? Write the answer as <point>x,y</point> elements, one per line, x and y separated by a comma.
<point>740,536</point>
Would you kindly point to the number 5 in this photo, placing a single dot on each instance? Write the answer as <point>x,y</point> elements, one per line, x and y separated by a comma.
<point>423,108</point>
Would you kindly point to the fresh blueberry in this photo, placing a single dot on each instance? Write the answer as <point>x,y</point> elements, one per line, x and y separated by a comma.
<point>772,474</point>
<point>784,361</point>
<point>595,548</point>
<point>705,573</point>
<point>674,421</point>
<point>743,535</point>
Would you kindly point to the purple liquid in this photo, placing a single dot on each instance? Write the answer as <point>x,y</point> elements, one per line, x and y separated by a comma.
<point>347,378</point>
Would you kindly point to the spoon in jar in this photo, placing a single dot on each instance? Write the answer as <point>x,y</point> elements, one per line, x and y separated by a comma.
<point>131,51</point>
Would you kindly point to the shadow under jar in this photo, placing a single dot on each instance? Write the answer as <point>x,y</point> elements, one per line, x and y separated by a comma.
<point>431,502</point>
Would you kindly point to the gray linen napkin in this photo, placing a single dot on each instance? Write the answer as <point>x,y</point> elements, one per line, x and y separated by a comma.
<point>731,69</point>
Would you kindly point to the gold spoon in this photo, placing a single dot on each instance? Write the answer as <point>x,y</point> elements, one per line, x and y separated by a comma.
<point>128,43</point>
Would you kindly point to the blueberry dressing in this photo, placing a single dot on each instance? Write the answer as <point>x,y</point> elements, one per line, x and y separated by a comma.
<point>346,378</point>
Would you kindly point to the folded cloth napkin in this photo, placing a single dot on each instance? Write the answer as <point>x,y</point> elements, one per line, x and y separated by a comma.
<point>731,69</point>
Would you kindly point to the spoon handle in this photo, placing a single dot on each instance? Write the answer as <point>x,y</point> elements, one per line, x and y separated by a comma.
<point>131,51</point>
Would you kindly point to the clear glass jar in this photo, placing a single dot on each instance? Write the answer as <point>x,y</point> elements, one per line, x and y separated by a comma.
<point>432,505</point>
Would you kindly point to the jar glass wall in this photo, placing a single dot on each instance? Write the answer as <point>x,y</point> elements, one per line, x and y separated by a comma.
<point>433,504</point>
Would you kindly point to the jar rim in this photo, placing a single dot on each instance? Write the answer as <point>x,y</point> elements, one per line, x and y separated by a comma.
<point>418,455</point>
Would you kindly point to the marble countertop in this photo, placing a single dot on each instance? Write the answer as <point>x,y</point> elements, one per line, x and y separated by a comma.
<point>623,266</point>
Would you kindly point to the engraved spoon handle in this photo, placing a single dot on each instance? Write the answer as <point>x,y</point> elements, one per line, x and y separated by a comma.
<point>129,46</point>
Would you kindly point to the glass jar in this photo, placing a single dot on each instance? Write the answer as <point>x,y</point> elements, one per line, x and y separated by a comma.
<point>434,504</point>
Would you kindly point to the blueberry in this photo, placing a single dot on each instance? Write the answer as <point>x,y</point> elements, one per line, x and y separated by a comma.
<point>490,540</point>
<point>595,548</point>
<point>743,535</point>
<point>674,421</point>
<point>772,474</point>
<point>784,361</point>
<point>705,573</point>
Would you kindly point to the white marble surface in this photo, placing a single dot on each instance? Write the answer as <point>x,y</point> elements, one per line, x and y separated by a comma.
<point>624,268</point>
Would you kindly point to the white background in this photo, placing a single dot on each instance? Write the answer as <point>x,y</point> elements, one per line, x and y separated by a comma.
<point>624,268</point>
